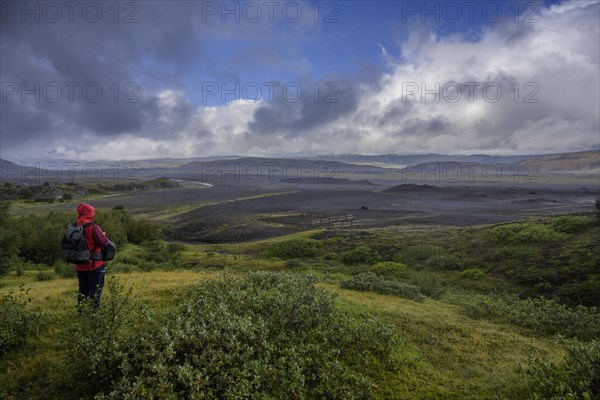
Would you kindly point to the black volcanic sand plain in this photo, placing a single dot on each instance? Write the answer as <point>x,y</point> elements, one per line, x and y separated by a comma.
<point>243,212</point>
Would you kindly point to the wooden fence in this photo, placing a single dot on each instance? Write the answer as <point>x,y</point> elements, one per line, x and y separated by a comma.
<point>339,221</point>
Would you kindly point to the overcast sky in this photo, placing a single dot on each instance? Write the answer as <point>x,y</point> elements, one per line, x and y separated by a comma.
<point>148,79</point>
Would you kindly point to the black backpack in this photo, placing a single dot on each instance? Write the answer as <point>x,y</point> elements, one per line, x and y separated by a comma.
<point>74,246</point>
<point>109,252</point>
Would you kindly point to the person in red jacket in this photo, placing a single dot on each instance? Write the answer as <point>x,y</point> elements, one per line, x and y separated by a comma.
<point>91,274</point>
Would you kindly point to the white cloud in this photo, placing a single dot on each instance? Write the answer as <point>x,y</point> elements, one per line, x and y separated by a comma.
<point>559,55</point>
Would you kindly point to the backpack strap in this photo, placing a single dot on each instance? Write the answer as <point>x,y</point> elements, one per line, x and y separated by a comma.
<point>95,247</point>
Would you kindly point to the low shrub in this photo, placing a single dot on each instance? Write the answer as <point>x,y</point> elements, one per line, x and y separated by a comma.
<point>114,222</point>
<point>387,268</point>
<point>265,335</point>
<point>294,248</point>
<point>520,233</point>
<point>293,263</point>
<point>9,241</point>
<point>214,265</point>
<point>444,263</point>
<point>577,377</point>
<point>418,254</point>
<point>361,255</point>
<point>151,255</point>
<point>518,251</point>
<point>430,285</point>
<point>16,322</point>
<point>40,236</point>
<point>472,273</point>
<point>531,275</point>
<point>142,230</point>
<point>335,241</point>
<point>540,316</point>
<point>19,269</point>
<point>44,276</point>
<point>368,281</point>
<point>131,260</point>
<point>211,254</point>
<point>570,224</point>
<point>175,247</point>
<point>120,267</point>
<point>165,254</point>
<point>92,358</point>
<point>585,293</point>
<point>64,270</point>
<point>148,266</point>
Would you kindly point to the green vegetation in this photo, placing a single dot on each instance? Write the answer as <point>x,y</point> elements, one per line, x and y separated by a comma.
<point>417,253</point>
<point>444,262</point>
<point>140,231</point>
<point>50,192</point>
<point>472,273</point>
<point>368,281</point>
<point>265,335</point>
<point>117,223</point>
<point>528,233</point>
<point>35,239</point>
<point>158,183</point>
<point>293,263</point>
<point>585,293</point>
<point>45,193</point>
<point>570,224</point>
<point>16,321</point>
<point>40,236</point>
<point>388,268</point>
<point>577,377</point>
<point>527,258</point>
<point>44,276</point>
<point>537,316</point>
<point>379,313</point>
<point>9,242</point>
<point>293,249</point>
<point>148,256</point>
<point>64,270</point>
<point>361,255</point>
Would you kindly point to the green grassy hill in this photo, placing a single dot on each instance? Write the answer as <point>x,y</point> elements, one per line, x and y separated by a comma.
<point>442,352</point>
<point>487,312</point>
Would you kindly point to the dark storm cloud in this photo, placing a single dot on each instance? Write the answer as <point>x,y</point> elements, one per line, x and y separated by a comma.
<point>157,66</point>
<point>82,50</point>
<point>394,113</point>
<point>424,128</point>
<point>493,88</point>
<point>515,33</point>
<point>130,63</point>
<point>29,123</point>
<point>166,46</point>
<point>334,100</point>
<point>73,56</point>
<point>369,74</point>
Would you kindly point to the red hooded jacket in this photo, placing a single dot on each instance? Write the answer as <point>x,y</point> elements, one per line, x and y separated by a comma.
<point>96,239</point>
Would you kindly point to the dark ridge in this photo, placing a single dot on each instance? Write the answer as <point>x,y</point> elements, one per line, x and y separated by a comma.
<point>410,187</point>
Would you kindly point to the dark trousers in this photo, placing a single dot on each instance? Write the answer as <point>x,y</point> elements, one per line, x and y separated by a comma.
<point>90,285</point>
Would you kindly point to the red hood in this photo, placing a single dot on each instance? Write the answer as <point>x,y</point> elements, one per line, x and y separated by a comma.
<point>85,213</point>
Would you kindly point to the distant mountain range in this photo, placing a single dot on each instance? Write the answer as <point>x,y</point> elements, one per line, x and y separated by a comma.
<point>569,162</point>
<point>400,159</point>
<point>586,162</point>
